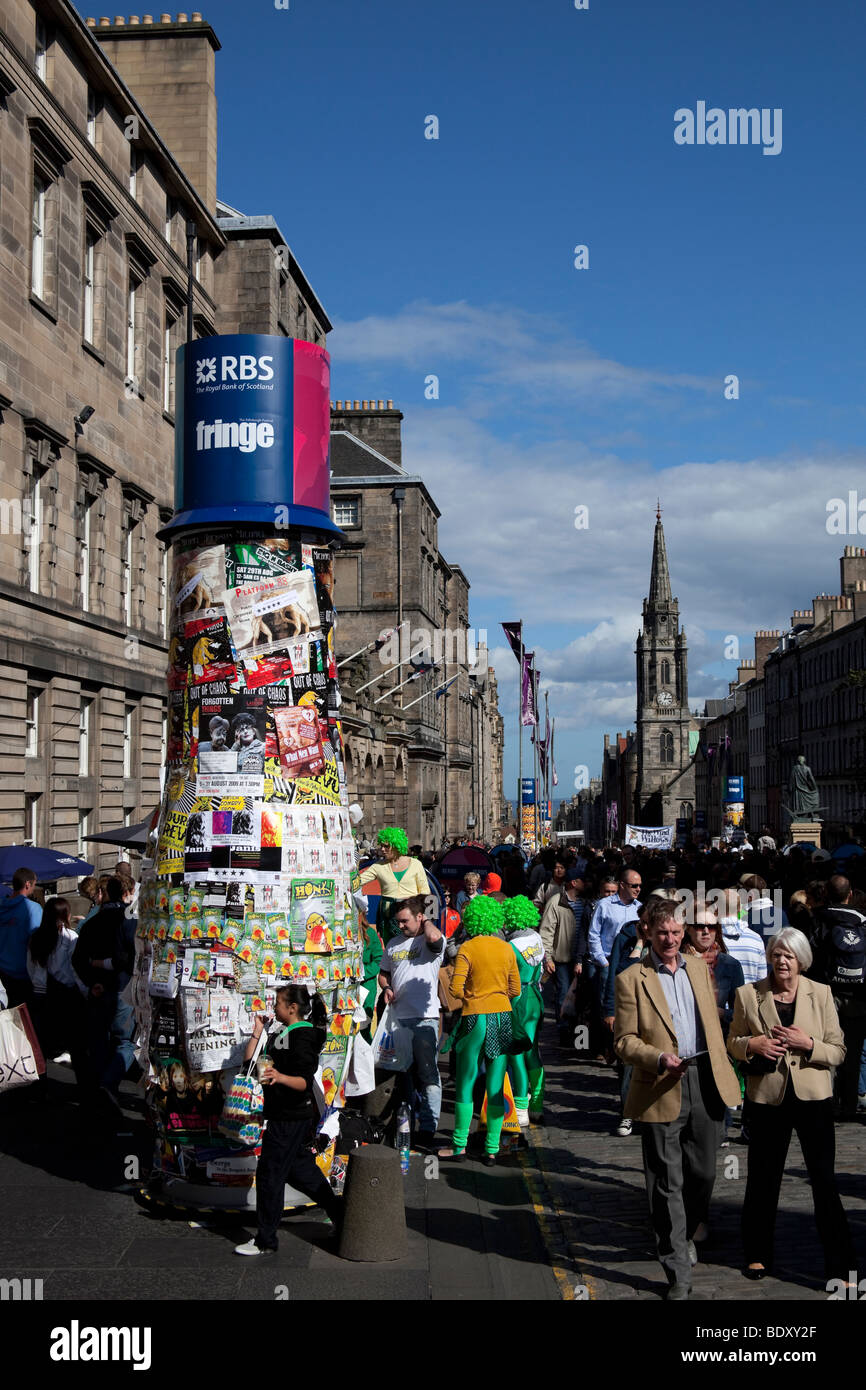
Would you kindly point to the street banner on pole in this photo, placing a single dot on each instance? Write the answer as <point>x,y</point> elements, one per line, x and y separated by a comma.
<point>650,836</point>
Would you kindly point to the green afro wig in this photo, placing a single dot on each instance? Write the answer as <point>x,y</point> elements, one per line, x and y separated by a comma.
<point>520,913</point>
<point>482,916</point>
<point>395,837</point>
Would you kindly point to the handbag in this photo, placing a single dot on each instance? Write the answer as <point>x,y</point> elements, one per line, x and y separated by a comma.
<point>21,1060</point>
<point>241,1117</point>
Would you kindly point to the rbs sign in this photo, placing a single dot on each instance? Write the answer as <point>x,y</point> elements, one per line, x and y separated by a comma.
<point>253,432</point>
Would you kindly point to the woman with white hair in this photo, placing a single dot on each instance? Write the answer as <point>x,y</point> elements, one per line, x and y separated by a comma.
<point>786,1032</point>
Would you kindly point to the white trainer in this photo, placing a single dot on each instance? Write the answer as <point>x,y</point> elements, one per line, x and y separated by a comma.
<point>623,1129</point>
<point>252,1249</point>
<point>522,1118</point>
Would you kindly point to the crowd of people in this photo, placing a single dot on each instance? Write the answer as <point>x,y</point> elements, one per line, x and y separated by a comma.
<point>71,968</point>
<point>727,988</point>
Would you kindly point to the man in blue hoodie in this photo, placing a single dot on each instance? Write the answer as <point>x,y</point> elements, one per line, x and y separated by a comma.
<point>19,918</point>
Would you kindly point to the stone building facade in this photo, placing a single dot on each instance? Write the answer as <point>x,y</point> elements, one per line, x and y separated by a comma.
<point>108,141</point>
<point>448,770</point>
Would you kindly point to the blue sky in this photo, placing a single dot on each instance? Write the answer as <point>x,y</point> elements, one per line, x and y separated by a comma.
<point>601,387</point>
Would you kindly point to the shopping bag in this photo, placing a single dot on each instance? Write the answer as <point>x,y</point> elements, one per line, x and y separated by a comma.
<point>241,1117</point>
<point>361,1078</point>
<point>21,1060</point>
<point>392,1045</point>
<point>569,1003</point>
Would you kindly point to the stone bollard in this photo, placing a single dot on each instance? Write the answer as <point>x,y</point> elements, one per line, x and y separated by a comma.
<point>374,1222</point>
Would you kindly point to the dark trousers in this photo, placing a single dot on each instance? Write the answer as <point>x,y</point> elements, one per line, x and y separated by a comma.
<point>17,991</point>
<point>100,1048</point>
<point>287,1158</point>
<point>680,1168</point>
<point>852,1021</point>
<point>770,1129</point>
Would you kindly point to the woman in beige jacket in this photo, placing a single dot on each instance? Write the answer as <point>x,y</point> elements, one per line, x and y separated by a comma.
<point>785,1032</point>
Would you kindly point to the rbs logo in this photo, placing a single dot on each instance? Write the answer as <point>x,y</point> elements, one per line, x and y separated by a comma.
<point>244,368</point>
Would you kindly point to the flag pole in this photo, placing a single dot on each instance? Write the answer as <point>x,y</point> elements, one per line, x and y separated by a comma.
<point>380,677</point>
<point>415,676</point>
<point>434,691</point>
<point>547,757</point>
<point>519,815</point>
<point>535,766</point>
<point>366,648</point>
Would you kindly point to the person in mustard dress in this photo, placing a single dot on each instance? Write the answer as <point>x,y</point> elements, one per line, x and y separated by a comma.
<point>399,877</point>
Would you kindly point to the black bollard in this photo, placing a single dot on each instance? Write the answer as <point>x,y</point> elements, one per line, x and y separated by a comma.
<point>374,1223</point>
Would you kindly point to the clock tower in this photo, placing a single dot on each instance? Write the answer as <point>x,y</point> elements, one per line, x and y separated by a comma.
<point>665,774</point>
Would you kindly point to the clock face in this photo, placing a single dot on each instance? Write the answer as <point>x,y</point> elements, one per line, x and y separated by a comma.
<point>665,699</point>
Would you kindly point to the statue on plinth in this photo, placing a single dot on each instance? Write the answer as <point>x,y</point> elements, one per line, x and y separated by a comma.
<point>803,795</point>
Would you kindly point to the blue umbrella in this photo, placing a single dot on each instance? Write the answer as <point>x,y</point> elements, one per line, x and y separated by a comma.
<point>847,851</point>
<point>47,864</point>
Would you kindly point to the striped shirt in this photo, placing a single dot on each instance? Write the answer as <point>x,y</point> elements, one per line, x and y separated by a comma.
<point>747,947</point>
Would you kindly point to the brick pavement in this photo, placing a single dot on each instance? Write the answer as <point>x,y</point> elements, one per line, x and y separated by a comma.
<point>597,1226</point>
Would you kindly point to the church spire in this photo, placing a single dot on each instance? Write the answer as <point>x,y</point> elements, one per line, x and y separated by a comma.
<point>660,579</point>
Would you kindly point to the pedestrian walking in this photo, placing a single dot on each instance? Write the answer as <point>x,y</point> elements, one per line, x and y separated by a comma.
<point>667,1027</point>
<point>289,1113</point>
<point>786,1032</point>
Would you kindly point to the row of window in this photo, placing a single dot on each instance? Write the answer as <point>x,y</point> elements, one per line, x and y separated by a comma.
<point>94,279</point>
<point>35,537</point>
<point>36,832</point>
<point>34,731</point>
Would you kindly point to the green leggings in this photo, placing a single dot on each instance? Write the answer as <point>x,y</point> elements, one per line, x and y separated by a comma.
<point>468,1050</point>
<point>527,1079</point>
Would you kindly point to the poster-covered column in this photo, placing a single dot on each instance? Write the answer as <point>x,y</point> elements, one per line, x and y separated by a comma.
<point>250,876</point>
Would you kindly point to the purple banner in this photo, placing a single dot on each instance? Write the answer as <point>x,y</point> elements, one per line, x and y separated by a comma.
<point>514,633</point>
<point>528,714</point>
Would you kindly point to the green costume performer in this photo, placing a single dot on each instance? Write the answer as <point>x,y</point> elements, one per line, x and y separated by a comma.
<point>486,978</point>
<point>396,883</point>
<point>525,1069</point>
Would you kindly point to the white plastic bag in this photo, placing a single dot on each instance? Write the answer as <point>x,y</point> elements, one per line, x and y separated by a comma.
<point>392,1045</point>
<point>361,1078</point>
<point>19,1065</point>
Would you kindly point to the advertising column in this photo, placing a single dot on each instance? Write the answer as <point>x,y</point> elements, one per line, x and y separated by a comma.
<point>529,812</point>
<point>249,881</point>
<point>734,811</point>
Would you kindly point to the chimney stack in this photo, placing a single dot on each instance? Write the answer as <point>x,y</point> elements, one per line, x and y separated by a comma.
<point>170,70</point>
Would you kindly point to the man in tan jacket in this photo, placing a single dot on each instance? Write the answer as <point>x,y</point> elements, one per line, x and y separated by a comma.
<point>667,1027</point>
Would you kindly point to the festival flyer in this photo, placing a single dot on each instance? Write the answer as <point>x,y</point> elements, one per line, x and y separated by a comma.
<point>312,914</point>
<point>299,741</point>
<point>209,651</point>
<point>178,663</point>
<point>198,580</point>
<point>231,728</point>
<point>249,562</point>
<point>264,617</point>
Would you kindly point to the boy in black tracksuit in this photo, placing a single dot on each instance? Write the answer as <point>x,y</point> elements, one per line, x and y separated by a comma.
<point>289,1111</point>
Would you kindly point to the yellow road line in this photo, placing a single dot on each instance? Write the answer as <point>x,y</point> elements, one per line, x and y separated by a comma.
<point>564,1280</point>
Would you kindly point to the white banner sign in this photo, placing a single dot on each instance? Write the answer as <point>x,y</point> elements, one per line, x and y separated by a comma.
<point>650,836</point>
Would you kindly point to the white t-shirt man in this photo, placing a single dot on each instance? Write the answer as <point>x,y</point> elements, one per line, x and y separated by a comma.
<point>413,966</point>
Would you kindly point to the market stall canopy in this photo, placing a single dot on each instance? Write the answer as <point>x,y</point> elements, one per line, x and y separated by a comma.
<point>457,862</point>
<point>132,836</point>
<point>47,864</point>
